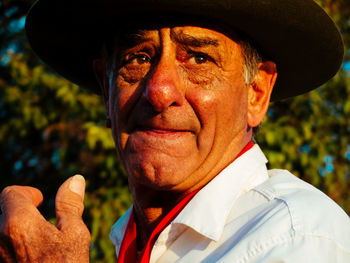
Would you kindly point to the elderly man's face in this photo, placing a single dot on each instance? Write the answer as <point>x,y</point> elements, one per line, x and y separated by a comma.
<point>178,105</point>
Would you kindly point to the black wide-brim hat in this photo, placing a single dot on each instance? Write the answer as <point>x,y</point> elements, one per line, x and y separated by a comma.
<point>297,34</point>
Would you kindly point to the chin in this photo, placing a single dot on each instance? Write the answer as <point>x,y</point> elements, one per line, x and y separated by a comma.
<point>158,179</point>
<point>158,170</point>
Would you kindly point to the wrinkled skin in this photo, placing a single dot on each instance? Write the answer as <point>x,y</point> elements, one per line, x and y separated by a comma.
<point>27,237</point>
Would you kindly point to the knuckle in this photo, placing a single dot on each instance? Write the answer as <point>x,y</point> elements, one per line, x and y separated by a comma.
<point>9,195</point>
<point>70,207</point>
<point>13,224</point>
<point>6,192</point>
<point>82,231</point>
<point>19,221</point>
<point>85,235</point>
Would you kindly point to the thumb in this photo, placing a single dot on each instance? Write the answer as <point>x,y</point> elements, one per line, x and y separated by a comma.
<point>69,203</point>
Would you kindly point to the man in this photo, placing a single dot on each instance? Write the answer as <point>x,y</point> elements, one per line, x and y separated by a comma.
<point>184,84</point>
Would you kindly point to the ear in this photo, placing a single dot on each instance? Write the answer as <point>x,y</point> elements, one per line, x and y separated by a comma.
<point>260,92</point>
<point>99,66</point>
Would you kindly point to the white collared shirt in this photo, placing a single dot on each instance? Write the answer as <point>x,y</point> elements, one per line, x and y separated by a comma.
<point>249,214</point>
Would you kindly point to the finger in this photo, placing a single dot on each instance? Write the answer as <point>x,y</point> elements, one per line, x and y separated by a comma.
<point>18,197</point>
<point>69,202</point>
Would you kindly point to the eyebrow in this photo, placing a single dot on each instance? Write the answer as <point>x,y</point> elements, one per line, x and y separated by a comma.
<point>189,40</point>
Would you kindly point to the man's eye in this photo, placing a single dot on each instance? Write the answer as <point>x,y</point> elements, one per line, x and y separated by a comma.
<point>138,59</point>
<point>201,58</point>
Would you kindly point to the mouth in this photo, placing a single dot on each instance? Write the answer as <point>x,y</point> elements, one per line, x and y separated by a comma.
<point>162,132</point>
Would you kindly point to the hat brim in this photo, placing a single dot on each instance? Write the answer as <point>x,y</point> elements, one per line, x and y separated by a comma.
<point>297,34</point>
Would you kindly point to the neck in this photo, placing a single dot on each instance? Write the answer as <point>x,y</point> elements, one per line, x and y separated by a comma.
<point>150,208</point>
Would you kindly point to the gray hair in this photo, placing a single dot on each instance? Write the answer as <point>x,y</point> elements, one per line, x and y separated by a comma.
<point>251,58</point>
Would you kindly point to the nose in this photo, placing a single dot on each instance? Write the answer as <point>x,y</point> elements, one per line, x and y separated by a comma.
<point>163,87</point>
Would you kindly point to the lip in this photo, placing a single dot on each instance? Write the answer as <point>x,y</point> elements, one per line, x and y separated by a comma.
<point>163,132</point>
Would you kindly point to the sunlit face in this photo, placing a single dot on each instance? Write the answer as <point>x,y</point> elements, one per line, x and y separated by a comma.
<point>178,105</point>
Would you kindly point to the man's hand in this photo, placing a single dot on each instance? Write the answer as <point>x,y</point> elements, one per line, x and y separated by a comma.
<point>25,235</point>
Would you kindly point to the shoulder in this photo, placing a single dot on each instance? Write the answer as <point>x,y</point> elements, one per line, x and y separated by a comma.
<point>287,219</point>
<point>311,212</point>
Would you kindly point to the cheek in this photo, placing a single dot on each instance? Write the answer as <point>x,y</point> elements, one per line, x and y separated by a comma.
<point>124,97</point>
<point>204,103</point>
<point>218,99</point>
<point>130,75</point>
<point>204,76</point>
<point>221,108</point>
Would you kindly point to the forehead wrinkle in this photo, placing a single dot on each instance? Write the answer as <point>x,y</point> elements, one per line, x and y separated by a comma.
<point>139,36</point>
<point>189,40</point>
<point>132,38</point>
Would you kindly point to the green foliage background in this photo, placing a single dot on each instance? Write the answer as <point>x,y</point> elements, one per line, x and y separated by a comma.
<point>51,129</point>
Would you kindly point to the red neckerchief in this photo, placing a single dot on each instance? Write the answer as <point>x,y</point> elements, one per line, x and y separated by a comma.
<point>128,249</point>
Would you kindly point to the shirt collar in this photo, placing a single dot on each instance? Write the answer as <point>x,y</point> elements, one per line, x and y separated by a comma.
<point>118,229</point>
<point>207,212</point>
